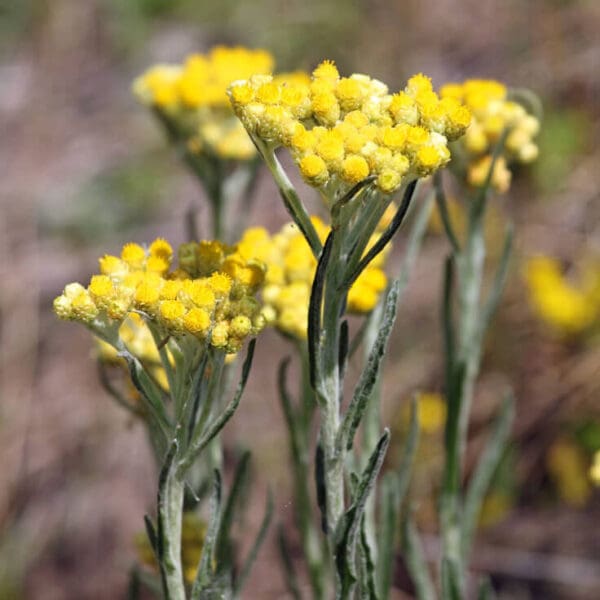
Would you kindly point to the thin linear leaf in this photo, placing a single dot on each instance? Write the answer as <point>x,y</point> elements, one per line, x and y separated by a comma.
<point>493,299</point>
<point>167,556</point>
<point>384,238</point>
<point>415,560</point>
<point>369,591</point>
<point>450,581</point>
<point>409,453</point>
<point>314,311</point>
<point>260,538</point>
<point>387,533</point>
<point>291,200</point>
<point>368,377</point>
<point>442,204</point>
<point>134,586</point>
<point>204,573</point>
<point>288,409</point>
<point>151,533</point>
<point>321,486</point>
<point>417,233</point>
<point>348,528</point>
<point>200,440</point>
<point>344,346</point>
<point>486,467</point>
<point>350,195</point>
<point>104,378</point>
<point>291,579</point>
<point>195,396</point>
<point>448,320</point>
<point>223,551</point>
<point>148,390</point>
<point>394,490</point>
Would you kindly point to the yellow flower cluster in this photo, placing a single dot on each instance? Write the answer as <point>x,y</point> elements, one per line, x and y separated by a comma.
<point>210,296</point>
<point>341,130</point>
<point>492,113</point>
<point>290,271</point>
<point>562,305</point>
<point>193,95</point>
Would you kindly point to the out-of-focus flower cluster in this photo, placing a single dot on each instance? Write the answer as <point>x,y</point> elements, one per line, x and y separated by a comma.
<point>568,308</point>
<point>210,296</point>
<point>341,130</point>
<point>192,96</point>
<point>290,271</point>
<point>492,113</point>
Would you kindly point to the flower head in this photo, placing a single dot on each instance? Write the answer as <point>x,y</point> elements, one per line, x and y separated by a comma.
<point>290,270</point>
<point>213,287</point>
<point>192,98</point>
<point>492,113</point>
<point>341,130</point>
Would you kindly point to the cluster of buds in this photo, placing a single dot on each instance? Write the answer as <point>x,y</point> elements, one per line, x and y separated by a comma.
<point>210,296</point>
<point>341,130</point>
<point>290,272</point>
<point>493,113</point>
<point>192,97</point>
<point>568,308</point>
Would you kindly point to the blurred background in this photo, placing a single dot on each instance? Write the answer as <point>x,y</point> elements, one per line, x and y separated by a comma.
<point>84,169</point>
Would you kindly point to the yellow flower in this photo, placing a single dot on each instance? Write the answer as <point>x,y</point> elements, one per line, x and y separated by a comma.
<point>216,284</point>
<point>193,97</point>
<point>491,113</point>
<point>346,122</point>
<point>568,309</point>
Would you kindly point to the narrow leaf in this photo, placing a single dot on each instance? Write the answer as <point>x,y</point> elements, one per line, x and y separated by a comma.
<point>486,467</point>
<point>394,490</point>
<point>167,555</point>
<point>384,238</point>
<point>367,565</point>
<point>314,310</point>
<point>291,579</point>
<point>223,551</point>
<point>148,391</point>
<point>343,352</point>
<point>201,439</point>
<point>408,454</point>
<point>450,581</point>
<point>493,299</point>
<point>413,245</point>
<point>448,320</point>
<point>260,538</point>
<point>368,377</point>
<point>387,534</point>
<point>151,533</point>
<point>320,486</point>
<point>288,409</point>
<point>442,205</point>
<point>350,195</point>
<point>415,560</point>
<point>205,569</point>
<point>348,527</point>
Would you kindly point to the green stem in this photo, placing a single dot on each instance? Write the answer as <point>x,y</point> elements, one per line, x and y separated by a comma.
<point>290,197</point>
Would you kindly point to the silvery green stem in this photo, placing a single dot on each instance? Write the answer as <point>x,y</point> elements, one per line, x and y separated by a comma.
<point>172,512</point>
<point>371,425</point>
<point>292,201</point>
